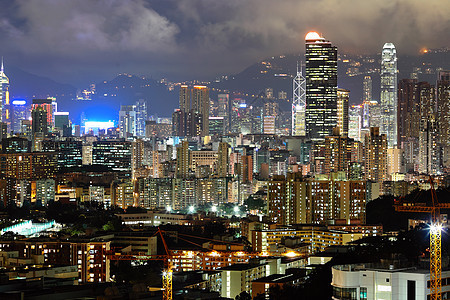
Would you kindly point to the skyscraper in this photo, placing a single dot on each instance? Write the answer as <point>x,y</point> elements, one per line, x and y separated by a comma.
<point>4,92</point>
<point>224,109</point>
<point>47,106</point>
<point>342,111</point>
<point>141,116</point>
<point>443,105</point>
<point>299,104</point>
<point>367,98</point>
<point>321,86</point>
<point>388,96</point>
<point>127,121</point>
<point>200,105</point>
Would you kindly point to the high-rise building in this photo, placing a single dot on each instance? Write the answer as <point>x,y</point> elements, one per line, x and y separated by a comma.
<point>200,105</point>
<point>299,104</point>
<point>39,126</point>
<point>367,99</point>
<point>336,152</point>
<point>342,111</point>
<point>222,160</point>
<point>185,98</point>
<point>224,109</point>
<point>388,96</point>
<point>443,105</point>
<point>20,111</point>
<point>127,121</point>
<point>183,160</point>
<point>113,154</point>
<point>321,86</point>
<point>407,111</point>
<point>4,95</point>
<point>375,156</point>
<point>354,126</point>
<point>286,199</point>
<point>141,116</point>
<point>48,106</point>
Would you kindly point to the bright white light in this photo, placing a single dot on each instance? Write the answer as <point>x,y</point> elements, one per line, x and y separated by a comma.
<point>236,209</point>
<point>435,227</point>
<point>191,209</point>
<point>168,208</point>
<point>214,208</point>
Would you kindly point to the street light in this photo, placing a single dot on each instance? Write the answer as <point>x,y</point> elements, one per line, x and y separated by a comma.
<point>191,209</point>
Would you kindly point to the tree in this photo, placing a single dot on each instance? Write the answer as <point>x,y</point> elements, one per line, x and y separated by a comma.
<point>243,296</point>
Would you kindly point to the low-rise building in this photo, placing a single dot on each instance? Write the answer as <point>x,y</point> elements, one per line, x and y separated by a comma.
<point>371,282</point>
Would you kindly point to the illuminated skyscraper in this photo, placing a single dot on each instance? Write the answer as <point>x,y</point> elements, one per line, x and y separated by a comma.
<point>200,105</point>
<point>224,110</point>
<point>20,111</point>
<point>321,86</point>
<point>388,97</point>
<point>141,116</point>
<point>127,121</point>
<point>342,111</point>
<point>299,105</point>
<point>367,98</point>
<point>48,106</point>
<point>443,105</point>
<point>4,95</point>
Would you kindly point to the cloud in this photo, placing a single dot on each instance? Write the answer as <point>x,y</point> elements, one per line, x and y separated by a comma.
<point>203,38</point>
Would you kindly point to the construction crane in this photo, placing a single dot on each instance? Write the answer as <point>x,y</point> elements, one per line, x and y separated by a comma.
<point>167,269</point>
<point>435,237</point>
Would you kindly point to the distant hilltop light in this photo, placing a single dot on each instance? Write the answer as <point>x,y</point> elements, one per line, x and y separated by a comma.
<point>312,35</point>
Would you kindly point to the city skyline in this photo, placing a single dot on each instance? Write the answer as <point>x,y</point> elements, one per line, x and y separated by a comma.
<point>84,41</point>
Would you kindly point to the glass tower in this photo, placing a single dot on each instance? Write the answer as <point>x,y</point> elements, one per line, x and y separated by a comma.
<point>388,96</point>
<point>321,86</point>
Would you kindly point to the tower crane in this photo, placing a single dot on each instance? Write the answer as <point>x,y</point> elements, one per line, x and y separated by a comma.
<point>435,237</point>
<point>167,270</point>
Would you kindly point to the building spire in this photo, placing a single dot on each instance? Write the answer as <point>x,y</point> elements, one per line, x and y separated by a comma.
<point>2,70</point>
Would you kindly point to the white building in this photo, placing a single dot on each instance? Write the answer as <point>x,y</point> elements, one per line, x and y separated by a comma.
<point>377,283</point>
<point>388,96</point>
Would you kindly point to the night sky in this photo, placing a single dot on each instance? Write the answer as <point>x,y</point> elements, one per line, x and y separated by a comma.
<point>83,41</point>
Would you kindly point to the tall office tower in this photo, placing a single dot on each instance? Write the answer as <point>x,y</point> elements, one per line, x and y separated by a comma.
<point>141,116</point>
<point>183,160</point>
<point>47,105</point>
<point>375,156</point>
<point>269,125</point>
<point>185,98</point>
<point>222,160</point>
<point>367,98</point>
<point>224,109</point>
<point>443,105</point>
<point>354,127</point>
<point>4,94</point>
<point>321,86</point>
<point>127,121</point>
<point>408,110</point>
<point>113,154</point>
<point>337,154</point>
<point>200,105</point>
<point>39,128</point>
<point>367,89</point>
<point>20,111</point>
<point>299,104</point>
<point>342,111</point>
<point>388,96</point>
